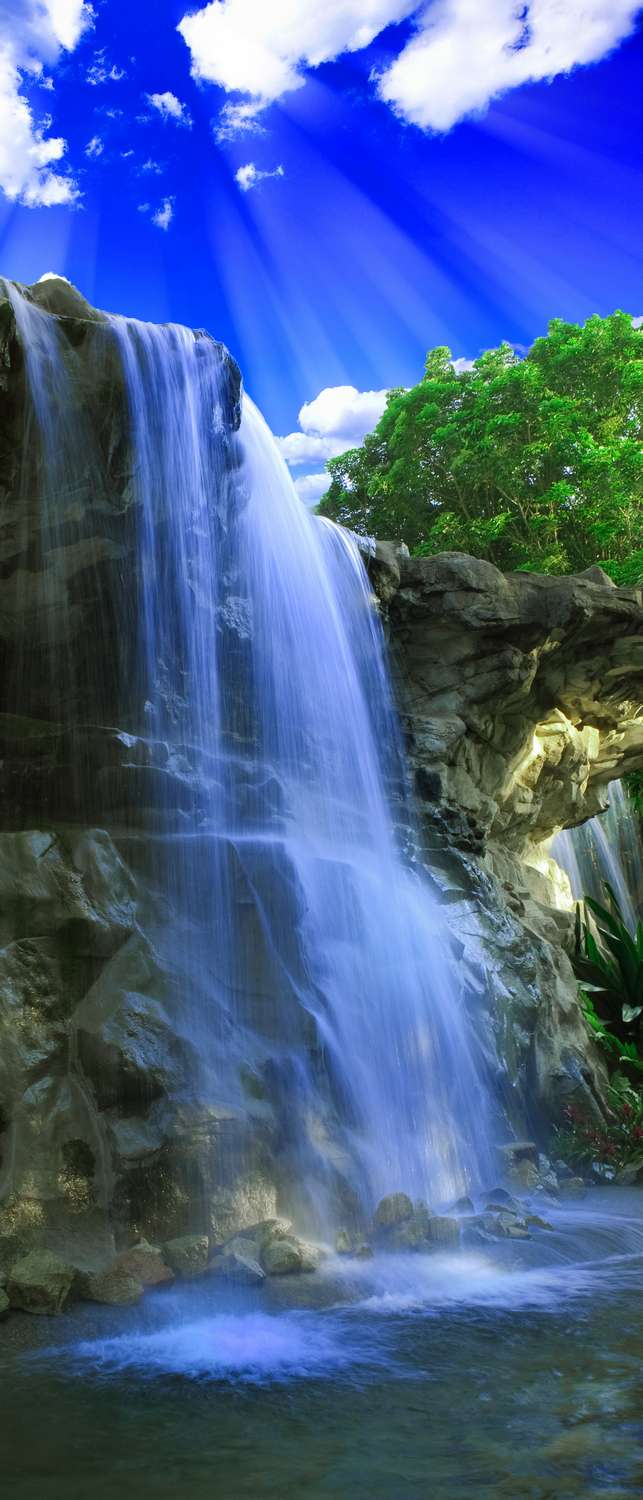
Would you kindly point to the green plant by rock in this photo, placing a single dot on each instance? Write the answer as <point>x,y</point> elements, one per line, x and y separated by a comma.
<point>610,968</point>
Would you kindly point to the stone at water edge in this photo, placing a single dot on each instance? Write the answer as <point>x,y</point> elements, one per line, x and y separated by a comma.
<point>516,1151</point>
<point>235,1266</point>
<point>40,1283</point>
<point>524,1175</point>
<point>352,1244</point>
<point>411,1234</point>
<point>114,1286</point>
<point>392,1210</point>
<point>285,1257</point>
<point>534,1221</point>
<point>462,1206</point>
<point>146,1264</point>
<point>4,1304</point>
<point>443,1230</point>
<point>187,1255</point>
<point>573,1187</point>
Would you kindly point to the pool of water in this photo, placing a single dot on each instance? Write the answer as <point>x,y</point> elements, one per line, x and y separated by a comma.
<point>516,1373</point>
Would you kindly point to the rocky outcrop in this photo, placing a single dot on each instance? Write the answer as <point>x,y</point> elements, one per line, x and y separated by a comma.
<point>521,700</point>
<point>126,1119</point>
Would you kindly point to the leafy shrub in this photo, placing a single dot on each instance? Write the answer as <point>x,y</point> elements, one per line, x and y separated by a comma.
<point>617,1143</point>
<point>610,968</point>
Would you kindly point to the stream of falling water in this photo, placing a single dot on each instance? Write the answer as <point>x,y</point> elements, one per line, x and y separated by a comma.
<point>261,680</point>
<point>607,848</point>
<point>281,661</point>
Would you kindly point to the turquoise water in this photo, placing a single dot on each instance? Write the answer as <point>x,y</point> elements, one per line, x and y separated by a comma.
<point>517,1374</point>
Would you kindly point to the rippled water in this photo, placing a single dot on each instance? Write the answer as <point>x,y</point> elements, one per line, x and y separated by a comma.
<point>516,1373</point>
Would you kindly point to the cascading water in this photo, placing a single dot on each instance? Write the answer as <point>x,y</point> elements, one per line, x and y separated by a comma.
<point>607,848</point>
<point>261,695</point>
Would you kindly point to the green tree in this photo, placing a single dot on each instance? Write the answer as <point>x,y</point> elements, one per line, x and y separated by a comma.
<point>534,463</point>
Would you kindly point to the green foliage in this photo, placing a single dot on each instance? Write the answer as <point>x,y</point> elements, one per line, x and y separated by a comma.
<point>534,464</point>
<point>634,789</point>
<point>610,969</point>
<point>617,1143</point>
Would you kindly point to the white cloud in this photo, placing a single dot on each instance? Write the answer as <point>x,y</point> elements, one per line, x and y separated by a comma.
<point>33,33</point>
<point>101,71</point>
<point>152,166</point>
<point>238,119</point>
<point>637,322</point>
<point>94,147</point>
<point>164,215</point>
<point>250,176</point>
<point>251,47</point>
<point>170,108</point>
<point>461,364</point>
<point>144,208</point>
<point>462,54</point>
<point>311,487</point>
<point>338,418</point>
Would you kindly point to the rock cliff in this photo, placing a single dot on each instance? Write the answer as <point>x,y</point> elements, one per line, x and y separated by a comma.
<point>519,700</point>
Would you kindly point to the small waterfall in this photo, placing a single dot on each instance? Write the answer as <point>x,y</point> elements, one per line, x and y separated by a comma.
<point>298,933</point>
<point>606,848</point>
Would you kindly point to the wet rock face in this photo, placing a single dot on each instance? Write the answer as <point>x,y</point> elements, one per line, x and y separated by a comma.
<point>137,1101</point>
<point>520,698</point>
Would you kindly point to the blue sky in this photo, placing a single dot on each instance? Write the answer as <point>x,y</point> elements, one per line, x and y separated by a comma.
<point>390,218</point>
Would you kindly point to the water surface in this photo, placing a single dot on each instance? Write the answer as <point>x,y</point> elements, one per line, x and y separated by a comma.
<point>515,1373</point>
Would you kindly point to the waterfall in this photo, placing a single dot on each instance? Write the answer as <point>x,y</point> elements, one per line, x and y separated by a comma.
<point>300,933</point>
<point>607,848</point>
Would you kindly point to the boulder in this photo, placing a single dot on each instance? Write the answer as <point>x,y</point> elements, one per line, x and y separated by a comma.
<point>5,1304</point>
<point>462,1206</point>
<point>187,1255</point>
<point>285,1257</point>
<point>146,1264</point>
<point>347,1243</point>
<point>40,1283</point>
<point>114,1285</point>
<point>234,1265</point>
<point>524,1174</point>
<point>392,1211</point>
<point>442,1230</point>
<point>573,1188</point>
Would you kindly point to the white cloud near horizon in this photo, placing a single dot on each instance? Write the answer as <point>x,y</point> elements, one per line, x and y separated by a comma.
<point>338,418</point>
<point>311,487</point>
<point>170,108</point>
<point>461,54</point>
<point>33,34</point>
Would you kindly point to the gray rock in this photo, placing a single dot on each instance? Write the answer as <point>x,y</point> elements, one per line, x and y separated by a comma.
<point>348,1243</point>
<point>462,1206</point>
<point>285,1257</point>
<point>443,1230</point>
<point>114,1285</point>
<point>5,1304</point>
<point>392,1211</point>
<point>573,1188</point>
<point>145,1263</point>
<point>187,1255</point>
<point>40,1283</point>
<point>233,1265</point>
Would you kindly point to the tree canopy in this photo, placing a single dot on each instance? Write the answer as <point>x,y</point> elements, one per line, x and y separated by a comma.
<point>535,464</point>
